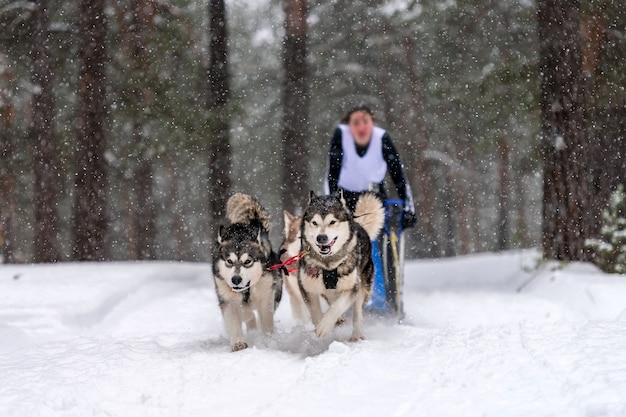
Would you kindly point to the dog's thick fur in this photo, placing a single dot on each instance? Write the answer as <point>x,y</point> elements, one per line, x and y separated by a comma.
<point>241,259</point>
<point>291,247</point>
<point>338,264</point>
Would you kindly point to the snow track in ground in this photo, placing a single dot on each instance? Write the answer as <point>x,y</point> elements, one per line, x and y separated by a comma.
<point>147,339</point>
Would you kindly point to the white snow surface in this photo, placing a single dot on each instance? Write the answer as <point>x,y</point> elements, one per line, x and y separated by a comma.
<point>485,335</point>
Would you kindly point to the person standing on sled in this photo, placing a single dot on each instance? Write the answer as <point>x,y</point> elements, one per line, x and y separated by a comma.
<point>360,155</point>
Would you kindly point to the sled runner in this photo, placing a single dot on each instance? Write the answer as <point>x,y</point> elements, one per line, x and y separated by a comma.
<point>388,254</point>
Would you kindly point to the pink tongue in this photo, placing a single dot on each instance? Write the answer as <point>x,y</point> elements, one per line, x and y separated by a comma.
<point>327,248</point>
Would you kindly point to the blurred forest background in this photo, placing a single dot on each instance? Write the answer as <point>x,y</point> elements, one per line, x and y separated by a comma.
<point>125,124</point>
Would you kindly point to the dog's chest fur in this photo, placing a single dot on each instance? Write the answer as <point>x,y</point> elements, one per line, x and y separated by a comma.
<point>318,281</point>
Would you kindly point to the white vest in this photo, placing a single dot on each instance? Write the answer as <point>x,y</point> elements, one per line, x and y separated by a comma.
<point>358,172</point>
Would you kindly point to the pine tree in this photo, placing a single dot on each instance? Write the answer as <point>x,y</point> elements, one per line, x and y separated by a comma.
<point>610,248</point>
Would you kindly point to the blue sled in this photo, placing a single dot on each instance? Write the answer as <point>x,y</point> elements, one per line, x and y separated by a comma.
<point>378,300</point>
<point>381,301</point>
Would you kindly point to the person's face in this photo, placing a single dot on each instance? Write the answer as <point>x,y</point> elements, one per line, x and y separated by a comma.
<point>361,125</point>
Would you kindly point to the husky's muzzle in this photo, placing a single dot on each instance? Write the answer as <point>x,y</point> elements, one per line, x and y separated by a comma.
<point>235,284</point>
<point>325,247</point>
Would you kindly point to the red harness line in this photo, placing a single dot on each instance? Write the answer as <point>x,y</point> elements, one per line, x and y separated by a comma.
<point>288,262</point>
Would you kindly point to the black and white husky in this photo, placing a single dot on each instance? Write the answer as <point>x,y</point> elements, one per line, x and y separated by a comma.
<point>337,264</point>
<point>241,259</point>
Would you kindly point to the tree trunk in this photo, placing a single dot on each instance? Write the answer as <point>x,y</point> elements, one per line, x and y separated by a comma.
<point>605,136</point>
<point>90,187</point>
<point>218,106</point>
<point>44,140</point>
<point>566,214</point>
<point>143,212</point>
<point>8,207</point>
<point>143,209</point>
<point>177,222</point>
<point>460,201</point>
<point>8,204</point>
<point>593,28</point>
<point>295,178</point>
<point>504,195</point>
<point>522,232</point>
<point>449,215</point>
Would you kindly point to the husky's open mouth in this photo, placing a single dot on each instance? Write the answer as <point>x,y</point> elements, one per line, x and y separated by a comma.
<point>326,249</point>
<point>241,288</point>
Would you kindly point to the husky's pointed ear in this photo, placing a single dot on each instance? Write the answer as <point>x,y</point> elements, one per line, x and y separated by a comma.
<point>220,232</point>
<point>288,220</point>
<point>311,195</point>
<point>258,237</point>
<point>342,199</point>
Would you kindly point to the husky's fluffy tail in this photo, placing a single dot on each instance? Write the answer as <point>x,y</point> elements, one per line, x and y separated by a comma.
<point>370,214</point>
<point>242,208</point>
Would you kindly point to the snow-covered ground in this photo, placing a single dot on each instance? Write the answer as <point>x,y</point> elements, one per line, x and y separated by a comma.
<point>486,335</point>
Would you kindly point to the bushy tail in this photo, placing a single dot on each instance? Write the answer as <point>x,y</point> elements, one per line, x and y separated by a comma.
<point>242,208</point>
<point>370,214</point>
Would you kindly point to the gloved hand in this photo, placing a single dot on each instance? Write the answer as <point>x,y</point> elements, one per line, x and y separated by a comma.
<point>408,219</point>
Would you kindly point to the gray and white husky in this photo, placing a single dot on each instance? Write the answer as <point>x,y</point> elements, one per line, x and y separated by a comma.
<point>338,264</point>
<point>241,259</point>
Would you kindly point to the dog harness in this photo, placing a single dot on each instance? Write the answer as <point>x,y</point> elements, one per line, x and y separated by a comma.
<point>330,279</point>
<point>359,172</point>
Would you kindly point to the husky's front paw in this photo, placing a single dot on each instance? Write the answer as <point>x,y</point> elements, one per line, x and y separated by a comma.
<point>356,338</point>
<point>324,326</point>
<point>238,346</point>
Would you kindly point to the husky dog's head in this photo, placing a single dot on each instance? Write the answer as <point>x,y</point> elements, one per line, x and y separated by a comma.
<point>326,224</point>
<point>240,256</point>
<point>292,243</point>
